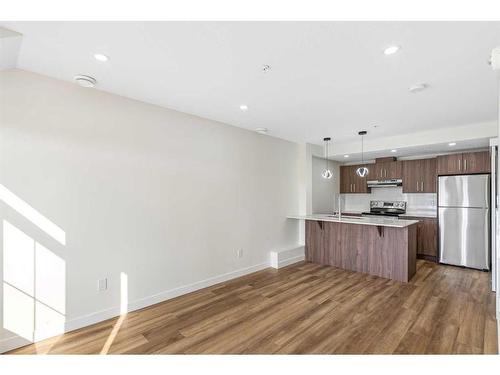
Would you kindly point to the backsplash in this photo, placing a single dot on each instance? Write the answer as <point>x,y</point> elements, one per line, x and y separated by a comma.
<point>415,203</point>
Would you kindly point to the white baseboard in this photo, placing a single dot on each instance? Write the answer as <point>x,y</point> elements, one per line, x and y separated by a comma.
<point>287,262</point>
<point>99,316</point>
<point>279,259</point>
<point>12,343</point>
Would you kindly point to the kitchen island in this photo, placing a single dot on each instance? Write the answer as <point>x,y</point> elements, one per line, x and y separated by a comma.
<point>382,247</point>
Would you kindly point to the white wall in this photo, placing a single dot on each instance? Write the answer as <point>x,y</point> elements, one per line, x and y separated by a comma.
<point>324,192</point>
<point>163,197</point>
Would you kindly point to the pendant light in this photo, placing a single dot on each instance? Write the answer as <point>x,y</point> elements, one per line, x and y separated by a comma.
<point>362,171</point>
<point>327,173</point>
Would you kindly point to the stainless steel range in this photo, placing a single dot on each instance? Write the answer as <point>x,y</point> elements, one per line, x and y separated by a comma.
<point>383,208</point>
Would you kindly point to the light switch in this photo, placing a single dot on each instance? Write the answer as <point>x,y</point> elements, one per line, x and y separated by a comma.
<point>102,285</point>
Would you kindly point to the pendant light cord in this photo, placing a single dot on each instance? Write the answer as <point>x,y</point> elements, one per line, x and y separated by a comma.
<point>362,150</point>
<point>326,154</point>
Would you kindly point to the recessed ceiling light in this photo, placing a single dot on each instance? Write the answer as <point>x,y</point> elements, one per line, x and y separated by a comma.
<point>346,156</point>
<point>391,50</point>
<point>244,107</point>
<point>101,57</point>
<point>452,144</point>
<point>85,81</point>
<point>261,130</point>
<point>394,150</point>
<point>418,87</point>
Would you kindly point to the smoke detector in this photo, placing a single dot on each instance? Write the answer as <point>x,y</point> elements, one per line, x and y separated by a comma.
<point>85,81</point>
<point>266,68</point>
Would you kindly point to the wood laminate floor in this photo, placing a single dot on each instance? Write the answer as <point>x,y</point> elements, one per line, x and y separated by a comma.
<point>306,308</point>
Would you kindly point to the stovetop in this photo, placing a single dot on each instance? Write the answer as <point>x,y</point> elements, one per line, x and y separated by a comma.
<point>383,208</point>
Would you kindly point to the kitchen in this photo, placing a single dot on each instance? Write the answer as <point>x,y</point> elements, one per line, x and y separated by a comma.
<point>418,193</point>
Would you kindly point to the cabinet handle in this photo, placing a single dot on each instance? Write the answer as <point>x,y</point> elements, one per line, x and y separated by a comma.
<point>422,185</point>
<point>465,164</point>
<point>354,187</point>
<point>459,166</point>
<point>417,185</point>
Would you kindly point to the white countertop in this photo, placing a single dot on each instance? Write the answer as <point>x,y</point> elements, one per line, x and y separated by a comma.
<point>427,214</point>
<point>378,221</point>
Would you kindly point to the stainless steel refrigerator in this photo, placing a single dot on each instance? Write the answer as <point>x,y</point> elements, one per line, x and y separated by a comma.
<point>464,220</point>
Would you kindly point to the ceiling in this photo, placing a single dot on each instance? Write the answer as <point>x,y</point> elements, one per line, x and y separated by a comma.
<point>413,151</point>
<point>326,78</point>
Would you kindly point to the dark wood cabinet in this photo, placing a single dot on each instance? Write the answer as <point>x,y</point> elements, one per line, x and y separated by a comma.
<point>427,229</point>
<point>387,170</point>
<point>345,179</point>
<point>359,183</point>
<point>428,175</point>
<point>411,171</point>
<point>419,176</point>
<point>350,182</point>
<point>465,163</point>
<point>476,162</point>
<point>449,164</point>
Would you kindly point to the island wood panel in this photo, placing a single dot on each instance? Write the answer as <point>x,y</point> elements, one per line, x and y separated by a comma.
<point>381,251</point>
<point>315,240</point>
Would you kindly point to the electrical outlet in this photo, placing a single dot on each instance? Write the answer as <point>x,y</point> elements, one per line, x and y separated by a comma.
<point>239,253</point>
<point>102,285</point>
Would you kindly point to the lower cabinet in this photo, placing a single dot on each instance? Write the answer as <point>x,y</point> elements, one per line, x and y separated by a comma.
<point>427,232</point>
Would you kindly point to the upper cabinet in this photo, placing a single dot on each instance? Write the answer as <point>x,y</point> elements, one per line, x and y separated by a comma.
<point>419,176</point>
<point>466,163</point>
<point>350,182</point>
<point>345,179</point>
<point>387,168</point>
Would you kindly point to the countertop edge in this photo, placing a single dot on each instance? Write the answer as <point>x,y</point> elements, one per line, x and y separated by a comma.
<point>401,223</point>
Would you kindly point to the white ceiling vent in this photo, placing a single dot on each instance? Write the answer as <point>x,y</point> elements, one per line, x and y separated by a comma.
<point>85,81</point>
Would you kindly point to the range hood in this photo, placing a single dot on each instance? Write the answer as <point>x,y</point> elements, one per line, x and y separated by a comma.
<point>385,183</point>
